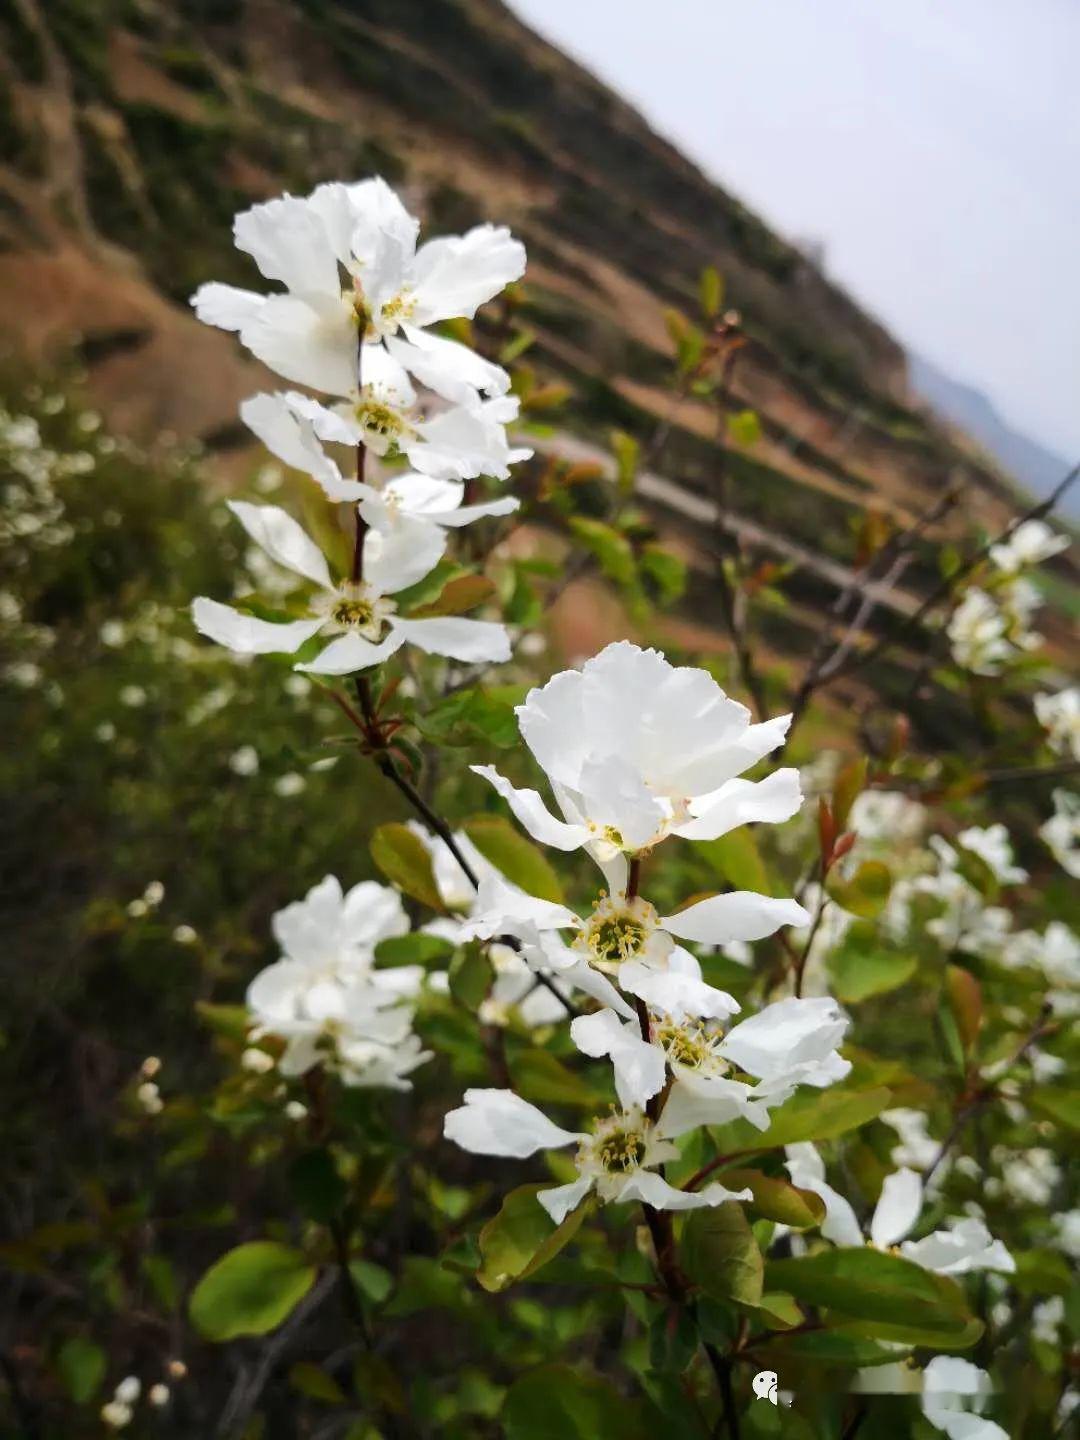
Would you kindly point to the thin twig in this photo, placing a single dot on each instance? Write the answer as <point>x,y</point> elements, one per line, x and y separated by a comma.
<point>942,591</point>
<point>722,1367</point>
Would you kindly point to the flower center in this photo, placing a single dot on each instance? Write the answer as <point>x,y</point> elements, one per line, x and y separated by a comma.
<point>355,607</point>
<point>689,1045</point>
<point>618,930</point>
<point>379,420</point>
<point>620,1150</point>
<point>354,614</point>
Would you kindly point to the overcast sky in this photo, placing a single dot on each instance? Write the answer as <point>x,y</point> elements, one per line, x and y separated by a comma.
<point>933,146</point>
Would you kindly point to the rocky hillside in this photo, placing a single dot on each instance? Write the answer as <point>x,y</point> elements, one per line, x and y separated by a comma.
<point>133,129</point>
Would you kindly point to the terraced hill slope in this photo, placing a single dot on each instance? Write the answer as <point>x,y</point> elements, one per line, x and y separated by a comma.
<point>133,129</point>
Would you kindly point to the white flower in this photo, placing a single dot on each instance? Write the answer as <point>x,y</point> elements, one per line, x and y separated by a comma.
<point>285,425</point>
<point>949,1383</point>
<point>358,614</point>
<point>627,938</point>
<point>128,1391</point>
<point>917,1147</point>
<point>115,1415</point>
<point>977,633</point>
<point>289,784</point>
<point>1067,1231</point>
<point>965,1246</point>
<point>295,1111</point>
<point>386,415</point>
<point>1061,833</point>
<point>885,819</point>
<point>617,1160</point>
<point>258,1062</point>
<point>785,1045</point>
<point>992,845</point>
<point>326,999</point>
<point>1056,953</point>
<point>637,749</point>
<point>244,761</point>
<point>1047,1319</point>
<point>158,1395</point>
<point>1059,715</point>
<point>1031,1177</point>
<point>149,1098</point>
<point>364,232</point>
<point>185,935</point>
<point>1029,544</point>
<point>133,696</point>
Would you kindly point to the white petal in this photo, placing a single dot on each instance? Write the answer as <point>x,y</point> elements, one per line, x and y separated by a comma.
<point>654,1190</point>
<point>697,1099</point>
<point>466,514</point>
<point>582,976</point>
<point>498,1122</point>
<point>791,1033</point>
<point>501,906</point>
<point>288,240</point>
<point>292,438</point>
<point>349,653</point>
<point>248,635</point>
<point>840,1225</point>
<point>530,809</point>
<point>452,370</point>
<point>897,1209</point>
<point>305,345</point>
<point>675,992</point>
<point>739,802</point>
<point>965,1247</point>
<point>331,425</point>
<point>471,640</point>
<point>612,794</point>
<point>640,1068</point>
<point>464,442</point>
<point>226,306</point>
<point>402,553</point>
<point>283,540</point>
<point>740,915</point>
<point>563,1198</point>
<point>455,274</point>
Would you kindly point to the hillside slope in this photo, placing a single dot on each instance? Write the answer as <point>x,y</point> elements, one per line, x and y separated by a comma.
<point>133,129</point>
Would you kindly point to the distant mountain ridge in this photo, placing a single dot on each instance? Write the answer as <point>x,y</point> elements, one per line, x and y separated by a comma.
<point>1036,467</point>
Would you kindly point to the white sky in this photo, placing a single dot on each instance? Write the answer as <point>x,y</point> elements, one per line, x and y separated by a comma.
<point>932,145</point>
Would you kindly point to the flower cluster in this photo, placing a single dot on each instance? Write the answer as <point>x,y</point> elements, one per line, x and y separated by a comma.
<point>991,627</point>
<point>325,998</point>
<point>352,323</point>
<point>637,750</point>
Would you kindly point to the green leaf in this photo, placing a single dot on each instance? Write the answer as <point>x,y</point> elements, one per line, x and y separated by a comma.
<point>857,975</point>
<point>833,1347</point>
<point>373,1281</point>
<point>413,949</point>
<point>667,572</point>
<point>1042,1272</point>
<point>520,1239</point>
<point>719,1253</point>
<point>81,1365</point>
<point>543,1080</point>
<point>231,1022</point>
<point>965,1003</point>
<point>250,1290</point>
<point>778,1199</point>
<point>865,893</point>
<point>627,455</point>
<point>429,588</point>
<point>316,1384</point>
<point>515,857</point>
<point>711,291</point>
<point>426,1285</point>
<point>470,976</point>
<point>737,858</point>
<point>470,717</point>
<point>316,1185</point>
<point>374,1379</point>
<point>404,859</point>
<point>849,784</point>
<point>558,1403</point>
<point>870,1285</point>
<point>457,597</point>
<point>611,550</point>
<point>808,1115</point>
<point>1061,1106</point>
<point>744,427</point>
